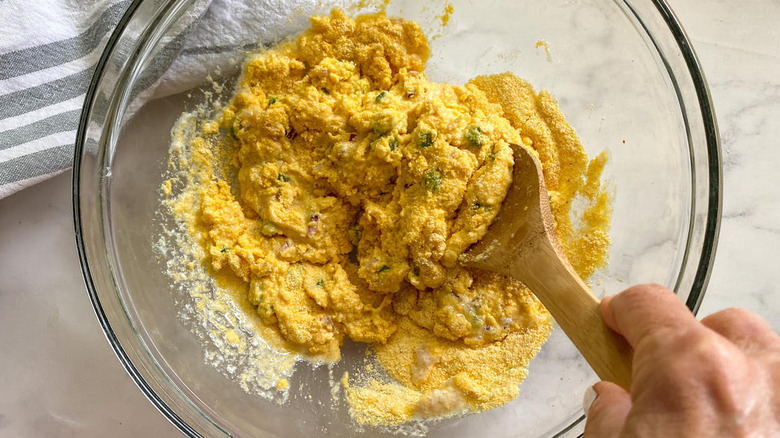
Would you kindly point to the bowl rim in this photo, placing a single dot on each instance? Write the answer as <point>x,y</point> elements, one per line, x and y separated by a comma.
<point>700,280</point>
<point>715,164</point>
<point>100,313</point>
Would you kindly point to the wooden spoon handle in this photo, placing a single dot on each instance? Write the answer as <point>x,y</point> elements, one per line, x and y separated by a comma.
<point>576,310</point>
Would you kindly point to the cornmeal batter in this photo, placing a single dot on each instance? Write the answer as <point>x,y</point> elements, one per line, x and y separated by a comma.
<point>338,188</point>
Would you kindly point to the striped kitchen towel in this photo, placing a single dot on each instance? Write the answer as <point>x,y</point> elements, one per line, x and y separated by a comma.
<point>48,51</point>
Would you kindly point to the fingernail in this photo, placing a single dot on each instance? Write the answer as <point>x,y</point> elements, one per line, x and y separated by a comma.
<point>588,399</point>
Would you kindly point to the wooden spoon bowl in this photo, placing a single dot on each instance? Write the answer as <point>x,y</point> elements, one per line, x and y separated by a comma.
<point>521,243</point>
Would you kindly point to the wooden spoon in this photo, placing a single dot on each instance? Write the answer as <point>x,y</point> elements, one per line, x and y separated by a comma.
<point>521,243</point>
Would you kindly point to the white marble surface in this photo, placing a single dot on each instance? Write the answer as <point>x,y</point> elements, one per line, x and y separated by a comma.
<point>59,377</point>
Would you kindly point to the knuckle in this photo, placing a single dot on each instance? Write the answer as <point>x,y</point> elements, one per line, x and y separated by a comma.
<point>737,313</point>
<point>642,292</point>
<point>741,326</point>
<point>677,352</point>
<point>717,366</point>
<point>635,295</point>
<point>730,315</point>
<point>635,291</point>
<point>708,350</point>
<point>713,354</point>
<point>671,342</point>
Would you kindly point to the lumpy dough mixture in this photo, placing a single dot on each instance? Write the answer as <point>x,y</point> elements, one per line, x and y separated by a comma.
<point>349,186</point>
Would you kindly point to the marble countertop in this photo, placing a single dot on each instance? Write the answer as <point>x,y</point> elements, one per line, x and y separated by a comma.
<point>59,377</point>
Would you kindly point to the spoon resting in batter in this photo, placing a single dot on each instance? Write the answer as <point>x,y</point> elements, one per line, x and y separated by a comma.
<point>521,243</point>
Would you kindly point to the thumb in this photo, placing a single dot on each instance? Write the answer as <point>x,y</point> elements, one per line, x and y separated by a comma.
<point>607,413</point>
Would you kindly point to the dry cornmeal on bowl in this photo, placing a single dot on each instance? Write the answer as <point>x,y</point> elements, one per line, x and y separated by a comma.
<point>331,197</point>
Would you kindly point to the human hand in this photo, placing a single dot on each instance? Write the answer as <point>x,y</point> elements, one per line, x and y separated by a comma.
<point>716,378</point>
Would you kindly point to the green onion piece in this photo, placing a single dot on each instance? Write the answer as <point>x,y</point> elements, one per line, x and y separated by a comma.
<point>425,139</point>
<point>382,125</point>
<point>393,143</point>
<point>474,136</point>
<point>432,179</point>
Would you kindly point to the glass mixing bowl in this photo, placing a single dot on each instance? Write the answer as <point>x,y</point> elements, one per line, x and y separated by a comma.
<point>624,73</point>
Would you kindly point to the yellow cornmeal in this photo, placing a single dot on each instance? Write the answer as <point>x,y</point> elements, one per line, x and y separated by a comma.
<point>446,14</point>
<point>546,46</point>
<point>336,191</point>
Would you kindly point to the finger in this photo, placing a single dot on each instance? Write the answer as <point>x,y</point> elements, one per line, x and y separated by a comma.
<point>643,310</point>
<point>744,329</point>
<point>608,412</point>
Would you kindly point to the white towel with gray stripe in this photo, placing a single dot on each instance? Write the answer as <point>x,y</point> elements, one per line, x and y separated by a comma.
<point>48,52</point>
